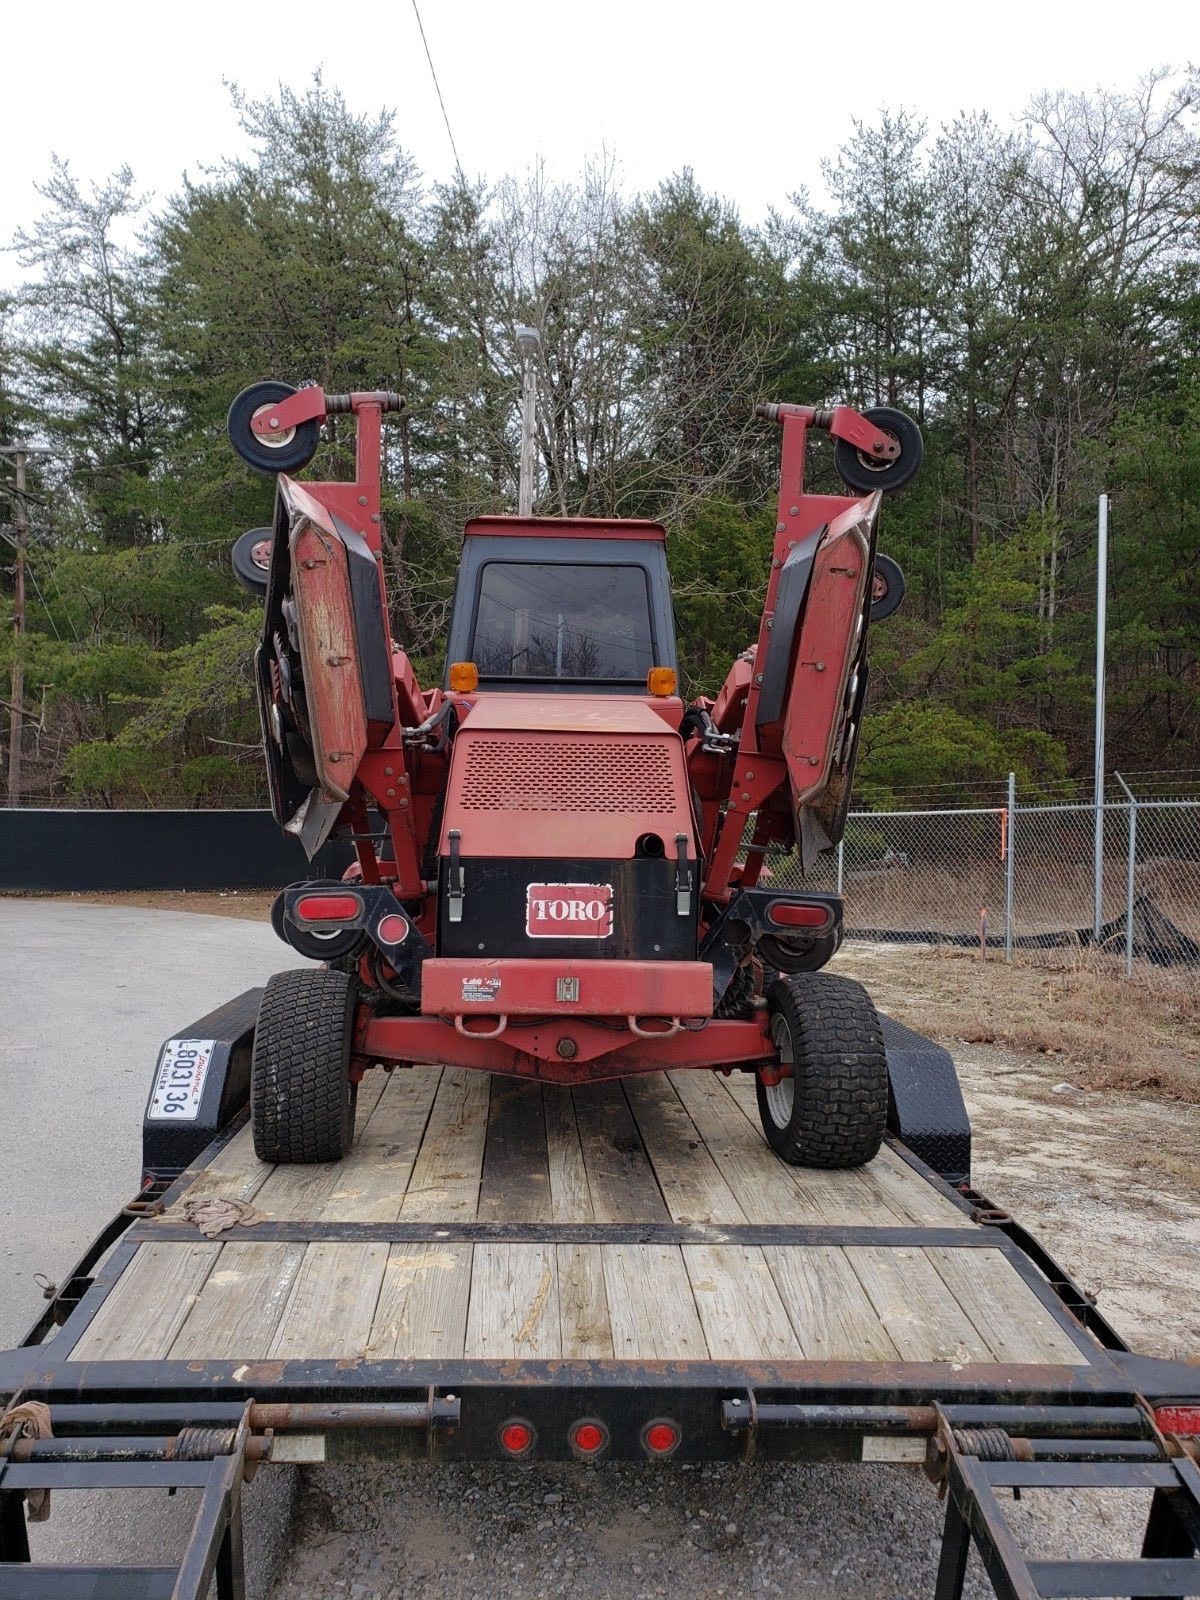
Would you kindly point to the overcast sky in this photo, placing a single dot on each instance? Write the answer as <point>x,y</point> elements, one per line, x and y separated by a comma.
<point>750,93</point>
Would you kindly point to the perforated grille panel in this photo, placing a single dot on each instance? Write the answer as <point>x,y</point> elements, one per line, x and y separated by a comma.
<point>585,775</point>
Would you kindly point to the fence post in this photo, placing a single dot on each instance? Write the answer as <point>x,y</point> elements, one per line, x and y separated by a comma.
<point>841,857</point>
<point>1009,867</point>
<point>1129,870</point>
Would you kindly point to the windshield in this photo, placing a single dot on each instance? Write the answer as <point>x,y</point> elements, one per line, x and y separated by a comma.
<point>563,620</point>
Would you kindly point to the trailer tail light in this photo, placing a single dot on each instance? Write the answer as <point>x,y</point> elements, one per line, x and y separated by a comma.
<point>328,908</point>
<point>788,914</point>
<point>1178,1419</point>
<point>588,1437</point>
<point>660,1438</point>
<point>392,929</point>
<point>516,1437</point>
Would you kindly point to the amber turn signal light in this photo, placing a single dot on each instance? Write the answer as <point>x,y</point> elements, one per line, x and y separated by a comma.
<point>464,677</point>
<point>660,680</point>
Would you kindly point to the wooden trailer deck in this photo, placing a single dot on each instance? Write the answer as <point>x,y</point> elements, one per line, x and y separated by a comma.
<point>446,1147</point>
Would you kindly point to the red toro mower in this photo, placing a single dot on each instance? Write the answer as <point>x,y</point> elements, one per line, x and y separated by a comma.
<point>558,862</point>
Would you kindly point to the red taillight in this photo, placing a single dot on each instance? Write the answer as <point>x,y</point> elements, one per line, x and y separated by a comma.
<point>392,929</point>
<point>327,907</point>
<point>589,1438</point>
<point>516,1438</point>
<point>660,1438</point>
<point>787,914</point>
<point>1178,1419</point>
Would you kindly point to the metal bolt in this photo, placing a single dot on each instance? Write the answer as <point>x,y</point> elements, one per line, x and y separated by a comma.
<point>745,794</point>
<point>362,499</point>
<point>274,422</point>
<point>403,802</point>
<point>391,794</point>
<point>758,677</point>
<point>749,775</point>
<point>375,517</point>
<point>780,526</point>
<point>795,511</point>
<point>387,772</point>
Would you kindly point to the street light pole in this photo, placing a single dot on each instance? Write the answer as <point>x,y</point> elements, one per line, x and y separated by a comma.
<point>529,343</point>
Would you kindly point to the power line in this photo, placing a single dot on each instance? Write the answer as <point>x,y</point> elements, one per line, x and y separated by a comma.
<point>437,86</point>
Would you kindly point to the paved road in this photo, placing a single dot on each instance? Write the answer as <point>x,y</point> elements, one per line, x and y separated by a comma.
<point>87,995</point>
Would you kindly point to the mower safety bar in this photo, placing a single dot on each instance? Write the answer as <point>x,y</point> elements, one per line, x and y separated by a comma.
<point>306,405</point>
<point>843,422</point>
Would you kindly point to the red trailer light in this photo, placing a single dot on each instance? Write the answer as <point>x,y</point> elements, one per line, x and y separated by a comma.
<point>588,1438</point>
<point>516,1437</point>
<point>392,929</point>
<point>1178,1419</point>
<point>660,1438</point>
<point>328,907</point>
<point>787,914</point>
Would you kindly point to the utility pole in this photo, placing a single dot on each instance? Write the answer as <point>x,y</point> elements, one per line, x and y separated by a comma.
<point>529,343</point>
<point>19,453</point>
<point>1098,777</point>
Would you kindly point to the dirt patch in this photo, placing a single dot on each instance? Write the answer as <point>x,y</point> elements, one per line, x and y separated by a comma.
<point>250,905</point>
<point>1104,1030</point>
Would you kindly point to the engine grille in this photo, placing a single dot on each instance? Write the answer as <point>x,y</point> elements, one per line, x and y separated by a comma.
<point>585,775</point>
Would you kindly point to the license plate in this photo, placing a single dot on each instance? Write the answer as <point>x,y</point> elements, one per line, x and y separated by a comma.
<point>180,1080</point>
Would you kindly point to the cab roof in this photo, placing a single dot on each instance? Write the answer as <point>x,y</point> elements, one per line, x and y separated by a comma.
<point>567,528</point>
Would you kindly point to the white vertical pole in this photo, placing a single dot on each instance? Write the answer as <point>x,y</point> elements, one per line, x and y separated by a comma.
<point>529,343</point>
<point>1010,867</point>
<point>841,862</point>
<point>1101,622</point>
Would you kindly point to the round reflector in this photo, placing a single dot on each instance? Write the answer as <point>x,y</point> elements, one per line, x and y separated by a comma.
<point>327,907</point>
<point>516,1437</point>
<point>392,929</point>
<point>660,1438</point>
<point>787,914</point>
<point>589,1437</point>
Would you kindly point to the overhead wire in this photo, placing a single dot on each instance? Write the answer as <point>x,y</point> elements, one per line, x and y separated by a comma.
<point>438,88</point>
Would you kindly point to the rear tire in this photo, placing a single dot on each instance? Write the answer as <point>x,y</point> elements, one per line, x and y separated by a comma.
<point>301,1098</point>
<point>832,1110</point>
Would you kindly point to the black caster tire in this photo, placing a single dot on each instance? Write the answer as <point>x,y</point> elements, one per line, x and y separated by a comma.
<point>832,1110</point>
<point>887,588</point>
<point>862,472</point>
<point>283,452</point>
<point>301,1097</point>
<point>779,958</point>
<point>251,557</point>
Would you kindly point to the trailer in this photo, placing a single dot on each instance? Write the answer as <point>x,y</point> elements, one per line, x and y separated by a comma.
<point>507,1269</point>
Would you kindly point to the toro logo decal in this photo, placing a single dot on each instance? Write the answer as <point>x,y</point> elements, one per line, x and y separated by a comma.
<point>569,911</point>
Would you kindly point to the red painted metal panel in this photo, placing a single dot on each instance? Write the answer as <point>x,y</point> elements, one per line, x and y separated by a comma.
<point>530,986</point>
<point>531,1051</point>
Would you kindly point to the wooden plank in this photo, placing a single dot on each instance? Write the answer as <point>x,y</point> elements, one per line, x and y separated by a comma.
<point>331,1308</point>
<point>515,1186</point>
<point>234,1173</point>
<point>690,1181</point>
<point>147,1306</point>
<point>922,1317</point>
<point>620,1177</point>
<point>582,1297</point>
<point>885,1190</point>
<point>830,1311</point>
<point>370,1184</point>
<point>586,1332</point>
<point>514,1303</point>
<point>762,1184</point>
<point>570,1196</point>
<point>740,1309</point>
<point>422,1310</point>
<point>444,1186</point>
<point>240,1304</point>
<point>1016,1325</point>
<point>301,1189</point>
<point>651,1307</point>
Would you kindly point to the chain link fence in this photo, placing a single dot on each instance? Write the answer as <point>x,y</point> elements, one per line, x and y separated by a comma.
<point>1019,877</point>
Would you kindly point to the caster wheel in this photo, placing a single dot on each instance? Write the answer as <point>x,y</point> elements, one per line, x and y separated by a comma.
<point>887,588</point>
<point>251,557</point>
<point>286,451</point>
<point>863,472</point>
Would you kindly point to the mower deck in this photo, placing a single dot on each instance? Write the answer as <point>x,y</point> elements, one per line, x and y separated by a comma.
<point>483,1218</point>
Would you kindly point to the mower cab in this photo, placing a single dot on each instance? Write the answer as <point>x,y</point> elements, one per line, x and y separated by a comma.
<point>557,862</point>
